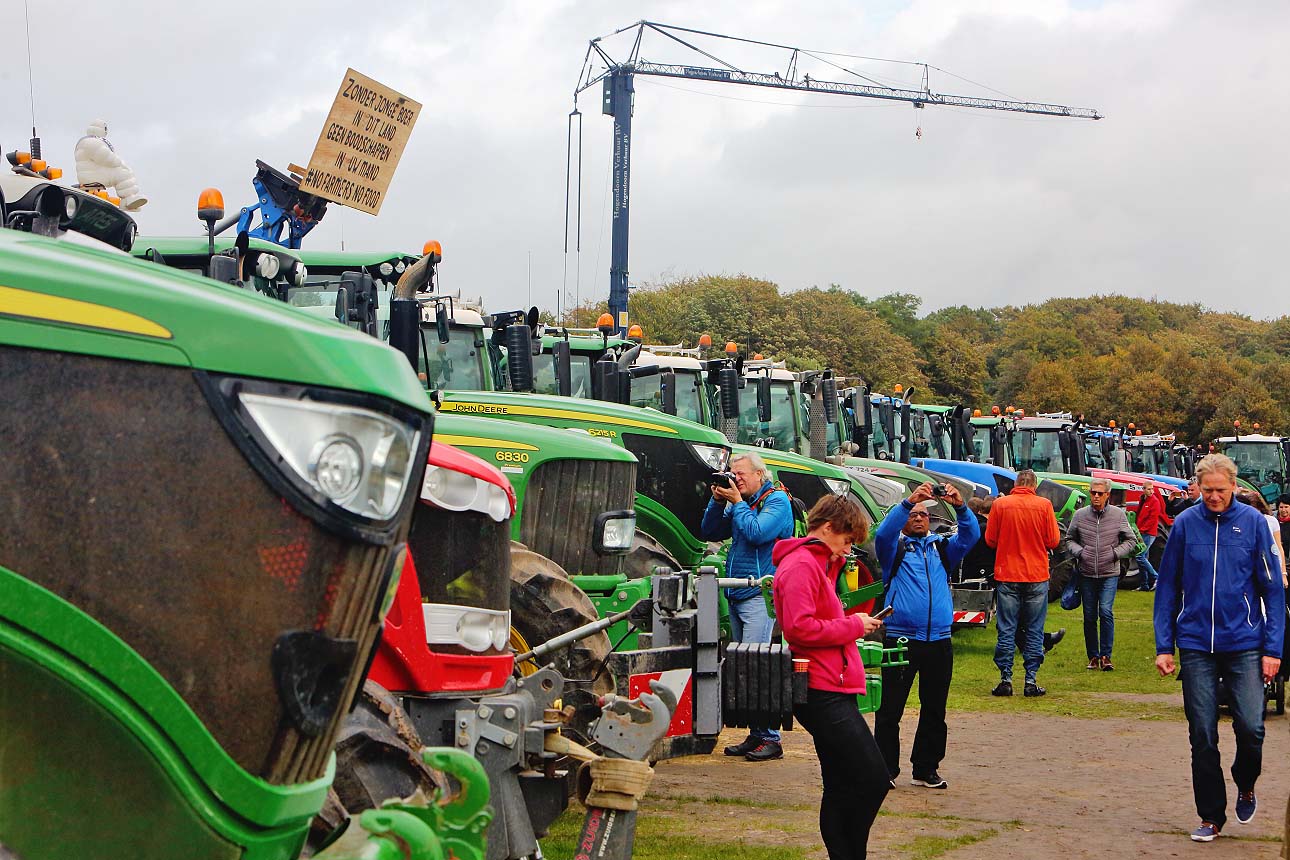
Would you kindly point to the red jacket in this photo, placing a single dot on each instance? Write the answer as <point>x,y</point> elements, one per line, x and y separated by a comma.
<point>810,613</point>
<point>1022,528</point>
<point>1151,510</point>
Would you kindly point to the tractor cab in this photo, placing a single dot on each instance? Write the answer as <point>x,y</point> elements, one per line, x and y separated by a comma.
<point>32,201</point>
<point>775,416</point>
<point>688,395</point>
<point>1151,454</point>
<point>1047,443</point>
<point>1260,460</point>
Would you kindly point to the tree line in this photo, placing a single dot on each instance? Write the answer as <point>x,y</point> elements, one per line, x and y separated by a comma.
<point>1164,366</point>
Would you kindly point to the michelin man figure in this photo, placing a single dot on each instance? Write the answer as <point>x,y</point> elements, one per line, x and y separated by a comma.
<point>98,164</point>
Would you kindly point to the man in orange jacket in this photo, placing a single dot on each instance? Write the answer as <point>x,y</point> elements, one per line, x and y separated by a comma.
<point>1022,528</point>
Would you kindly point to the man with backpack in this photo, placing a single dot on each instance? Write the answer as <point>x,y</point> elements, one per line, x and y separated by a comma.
<point>916,565</point>
<point>753,513</point>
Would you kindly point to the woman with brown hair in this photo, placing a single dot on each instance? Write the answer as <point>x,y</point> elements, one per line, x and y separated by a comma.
<point>818,630</point>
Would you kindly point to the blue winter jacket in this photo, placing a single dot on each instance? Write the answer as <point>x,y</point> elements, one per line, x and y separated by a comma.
<point>920,591</point>
<point>1220,586</point>
<point>752,534</point>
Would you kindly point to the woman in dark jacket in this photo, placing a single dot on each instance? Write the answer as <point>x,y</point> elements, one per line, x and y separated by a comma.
<point>819,631</point>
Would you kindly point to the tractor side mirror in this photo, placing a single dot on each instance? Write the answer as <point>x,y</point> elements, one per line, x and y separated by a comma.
<point>561,354</point>
<point>763,399</point>
<point>441,322</point>
<point>728,388</point>
<point>405,327</point>
<point>829,391</point>
<point>519,357</point>
<point>667,390</point>
<point>605,379</point>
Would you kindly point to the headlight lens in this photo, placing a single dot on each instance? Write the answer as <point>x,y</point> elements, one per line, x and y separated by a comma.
<point>267,266</point>
<point>470,628</point>
<point>615,531</point>
<point>386,269</point>
<point>457,491</point>
<point>837,486</point>
<point>715,456</point>
<point>400,266</point>
<point>357,458</point>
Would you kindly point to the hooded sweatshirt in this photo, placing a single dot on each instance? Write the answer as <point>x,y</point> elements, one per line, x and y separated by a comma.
<point>815,626</point>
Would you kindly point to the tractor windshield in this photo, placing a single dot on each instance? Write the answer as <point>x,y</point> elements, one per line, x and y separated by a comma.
<point>1036,449</point>
<point>781,432</point>
<point>1259,463</point>
<point>648,391</point>
<point>930,435</point>
<point>544,380</point>
<point>457,364</point>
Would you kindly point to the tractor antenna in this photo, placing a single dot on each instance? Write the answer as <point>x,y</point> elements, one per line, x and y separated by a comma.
<point>31,86</point>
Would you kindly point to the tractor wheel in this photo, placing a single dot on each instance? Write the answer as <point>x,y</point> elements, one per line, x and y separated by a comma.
<point>377,758</point>
<point>544,604</point>
<point>645,555</point>
<point>1059,573</point>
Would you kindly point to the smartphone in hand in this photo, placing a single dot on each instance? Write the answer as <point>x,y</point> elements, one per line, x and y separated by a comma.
<point>884,612</point>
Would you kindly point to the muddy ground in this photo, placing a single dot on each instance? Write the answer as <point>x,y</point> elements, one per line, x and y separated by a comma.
<point>1023,786</point>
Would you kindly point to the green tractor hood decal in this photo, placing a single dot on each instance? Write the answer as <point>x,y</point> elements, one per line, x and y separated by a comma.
<point>108,304</point>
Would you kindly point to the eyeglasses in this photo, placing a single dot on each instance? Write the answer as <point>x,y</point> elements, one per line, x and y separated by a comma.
<point>1099,493</point>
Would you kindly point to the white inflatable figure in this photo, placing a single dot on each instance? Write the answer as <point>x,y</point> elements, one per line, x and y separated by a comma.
<point>98,164</point>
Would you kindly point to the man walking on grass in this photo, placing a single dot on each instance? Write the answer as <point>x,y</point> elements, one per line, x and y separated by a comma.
<point>1219,600</point>
<point>1098,538</point>
<point>1022,528</point>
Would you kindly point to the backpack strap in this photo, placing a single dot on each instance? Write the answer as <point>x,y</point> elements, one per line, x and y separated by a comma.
<point>902,546</point>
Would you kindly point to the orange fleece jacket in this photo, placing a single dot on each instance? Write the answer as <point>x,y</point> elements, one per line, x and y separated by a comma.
<point>1022,527</point>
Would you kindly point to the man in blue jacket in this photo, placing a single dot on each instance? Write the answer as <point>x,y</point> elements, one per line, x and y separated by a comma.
<point>915,577</point>
<point>753,515</point>
<point>1219,600</point>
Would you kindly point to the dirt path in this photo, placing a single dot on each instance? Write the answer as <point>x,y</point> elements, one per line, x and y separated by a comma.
<point>1021,786</point>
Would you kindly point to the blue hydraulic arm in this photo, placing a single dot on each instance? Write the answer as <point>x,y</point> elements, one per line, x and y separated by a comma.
<point>618,90</point>
<point>282,205</point>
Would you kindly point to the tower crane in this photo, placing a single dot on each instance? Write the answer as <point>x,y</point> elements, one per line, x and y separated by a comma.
<point>617,79</point>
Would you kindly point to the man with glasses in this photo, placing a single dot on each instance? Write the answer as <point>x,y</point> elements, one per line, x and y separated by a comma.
<point>1098,538</point>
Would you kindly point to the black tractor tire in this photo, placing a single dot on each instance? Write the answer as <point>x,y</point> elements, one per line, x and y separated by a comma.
<point>646,554</point>
<point>377,758</point>
<point>1060,567</point>
<point>544,604</point>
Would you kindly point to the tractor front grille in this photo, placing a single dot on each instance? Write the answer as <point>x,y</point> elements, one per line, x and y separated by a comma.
<point>561,503</point>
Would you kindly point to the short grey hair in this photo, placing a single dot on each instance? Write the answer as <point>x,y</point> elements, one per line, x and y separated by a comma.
<point>1027,478</point>
<point>757,462</point>
<point>1103,483</point>
<point>1220,463</point>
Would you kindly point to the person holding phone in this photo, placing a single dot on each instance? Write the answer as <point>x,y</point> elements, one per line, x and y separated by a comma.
<point>748,509</point>
<point>916,566</point>
<point>817,629</point>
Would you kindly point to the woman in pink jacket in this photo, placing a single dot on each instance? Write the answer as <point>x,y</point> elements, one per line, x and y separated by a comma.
<point>816,629</point>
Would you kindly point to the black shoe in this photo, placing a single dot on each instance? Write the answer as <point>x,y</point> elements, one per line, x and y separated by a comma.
<point>766,751</point>
<point>744,747</point>
<point>1033,689</point>
<point>1004,689</point>
<point>1051,639</point>
<point>931,780</point>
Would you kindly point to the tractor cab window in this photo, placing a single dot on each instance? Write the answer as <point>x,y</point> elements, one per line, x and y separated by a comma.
<point>1257,462</point>
<point>781,432</point>
<point>544,381</point>
<point>457,364</point>
<point>1038,450</point>
<point>648,391</point>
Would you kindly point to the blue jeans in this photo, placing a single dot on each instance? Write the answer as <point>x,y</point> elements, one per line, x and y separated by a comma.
<point>750,623</point>
<point>1098,596</point>
<point>1027,603</point>
<point>1242,671</point>
<point>1149,575</point>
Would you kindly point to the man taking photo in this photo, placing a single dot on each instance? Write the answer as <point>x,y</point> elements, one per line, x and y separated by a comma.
<point>1219,601</point>
<point>915,573</point>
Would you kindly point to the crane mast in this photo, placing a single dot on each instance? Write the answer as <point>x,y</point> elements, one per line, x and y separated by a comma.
<point>618,91</point>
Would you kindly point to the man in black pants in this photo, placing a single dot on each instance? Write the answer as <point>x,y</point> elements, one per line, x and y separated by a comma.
<point>915,574</point>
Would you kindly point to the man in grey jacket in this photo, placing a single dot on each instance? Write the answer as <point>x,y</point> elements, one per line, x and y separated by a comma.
<point>1099,537</point>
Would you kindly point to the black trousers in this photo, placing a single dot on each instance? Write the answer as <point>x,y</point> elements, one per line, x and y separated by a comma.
<point>855,778</point>
<point>933,663</point>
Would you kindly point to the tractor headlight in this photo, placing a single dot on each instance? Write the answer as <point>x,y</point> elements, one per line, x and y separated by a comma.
<point>457,491</point>
<point>267,266</point>
<point>386,269</point>
<point>615,532</point>
<point>716,456</point>
<point>837,486</point>
<point>467,627</point>
<point>354,457</point>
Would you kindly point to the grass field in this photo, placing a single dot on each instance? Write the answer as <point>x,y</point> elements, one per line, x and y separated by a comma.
<point>1072,689</point>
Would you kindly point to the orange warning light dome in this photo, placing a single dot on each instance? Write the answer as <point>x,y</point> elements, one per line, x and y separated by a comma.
<point>976,413</point>
<point>731,347</point>
<point>635,332</point>
<point>705,341</point>
<point>210,204</point>
<point>1256,425</point>
<point>605,324</point>
<point>1236,423</point>
<point>432,247</point>
<point>994,410</point>
<point>757,356</point>
<point>1137,432</point>
<point>898,388</point>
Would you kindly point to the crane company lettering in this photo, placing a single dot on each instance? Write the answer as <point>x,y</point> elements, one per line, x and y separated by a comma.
<point>361,143</point>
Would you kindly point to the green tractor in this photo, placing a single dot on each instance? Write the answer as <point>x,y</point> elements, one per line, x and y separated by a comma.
<point>1260,460</point>
<point>198,538</point>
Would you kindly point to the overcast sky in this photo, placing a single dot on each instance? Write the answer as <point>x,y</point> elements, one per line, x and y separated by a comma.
<point>1179,193</point>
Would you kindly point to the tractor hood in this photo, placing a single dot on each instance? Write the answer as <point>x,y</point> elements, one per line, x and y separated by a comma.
<point>108,305</point>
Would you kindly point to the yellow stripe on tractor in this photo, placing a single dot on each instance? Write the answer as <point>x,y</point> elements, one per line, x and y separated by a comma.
<point>39,306</point>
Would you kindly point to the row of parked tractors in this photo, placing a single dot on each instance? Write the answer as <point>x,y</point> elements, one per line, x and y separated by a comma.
<point>273,586</point>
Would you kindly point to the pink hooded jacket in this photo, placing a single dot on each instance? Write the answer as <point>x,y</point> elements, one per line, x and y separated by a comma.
<point>811,616</point>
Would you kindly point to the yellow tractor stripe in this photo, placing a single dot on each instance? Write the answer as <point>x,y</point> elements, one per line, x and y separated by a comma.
<point>482,442</point>
<point>25,303</point>
<point>487,409</point>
